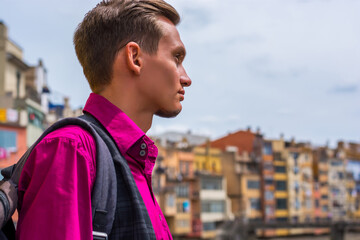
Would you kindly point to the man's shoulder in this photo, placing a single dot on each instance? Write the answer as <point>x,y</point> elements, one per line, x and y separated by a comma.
<point>72,133</point>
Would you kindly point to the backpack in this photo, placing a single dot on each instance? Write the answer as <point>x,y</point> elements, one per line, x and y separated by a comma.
<point>103,196</point>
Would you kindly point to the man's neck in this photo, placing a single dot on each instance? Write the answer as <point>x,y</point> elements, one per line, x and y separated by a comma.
<point>141,118</point>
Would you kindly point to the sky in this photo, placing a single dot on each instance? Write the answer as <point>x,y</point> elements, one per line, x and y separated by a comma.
<point>288,67</point>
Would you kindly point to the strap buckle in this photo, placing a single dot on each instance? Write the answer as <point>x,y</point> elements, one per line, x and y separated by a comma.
<point>100,236</point>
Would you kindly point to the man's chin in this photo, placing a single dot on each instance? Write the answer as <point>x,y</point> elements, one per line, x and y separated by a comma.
<point>167,114</point>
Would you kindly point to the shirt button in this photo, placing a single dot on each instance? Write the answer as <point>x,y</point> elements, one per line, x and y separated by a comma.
<point>143,146</point>
<point>142,153</point>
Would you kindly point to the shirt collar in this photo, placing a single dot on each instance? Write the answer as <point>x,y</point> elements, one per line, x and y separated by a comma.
<point>123,130</point>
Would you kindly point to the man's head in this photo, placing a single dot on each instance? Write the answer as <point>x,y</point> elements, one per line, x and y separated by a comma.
<point>110,26</point>
<point>162,76</point>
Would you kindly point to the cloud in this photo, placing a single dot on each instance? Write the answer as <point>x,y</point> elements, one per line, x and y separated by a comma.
<point>266,67</point>
<point>344,89</point>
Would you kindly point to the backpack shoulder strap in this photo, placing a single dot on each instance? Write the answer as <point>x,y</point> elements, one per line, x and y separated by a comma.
<point>104,193</point>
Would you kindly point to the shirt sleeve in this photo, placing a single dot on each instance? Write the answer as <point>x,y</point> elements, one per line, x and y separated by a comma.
<point>55,189</point>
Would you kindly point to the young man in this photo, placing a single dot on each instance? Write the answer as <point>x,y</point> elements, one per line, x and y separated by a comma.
<point>132,55</point>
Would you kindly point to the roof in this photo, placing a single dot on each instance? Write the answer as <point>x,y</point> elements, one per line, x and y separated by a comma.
<point>16,61</point>
<point>243,140</point>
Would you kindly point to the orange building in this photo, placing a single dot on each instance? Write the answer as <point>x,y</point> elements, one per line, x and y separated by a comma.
<point>12,147</point>
<point>12,144</point>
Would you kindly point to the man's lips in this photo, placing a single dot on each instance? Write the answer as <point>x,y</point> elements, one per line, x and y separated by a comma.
<point>182,93</point>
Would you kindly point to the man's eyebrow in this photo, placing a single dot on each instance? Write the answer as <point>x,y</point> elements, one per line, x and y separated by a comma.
<point>180,50</point>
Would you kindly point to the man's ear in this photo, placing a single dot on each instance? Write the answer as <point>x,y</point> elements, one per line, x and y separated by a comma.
<point>133,57</point>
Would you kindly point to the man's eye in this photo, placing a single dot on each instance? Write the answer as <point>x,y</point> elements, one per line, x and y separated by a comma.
<point>177,58</point>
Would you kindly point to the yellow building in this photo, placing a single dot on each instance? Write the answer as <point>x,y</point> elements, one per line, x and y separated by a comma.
<point>171,184</point>
<point>207,159</point>
<point>300,179</point>
<point>351,211</point>
<point>281,184</point>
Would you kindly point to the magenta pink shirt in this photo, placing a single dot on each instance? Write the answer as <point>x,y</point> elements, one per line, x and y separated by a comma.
<point>57,179</point>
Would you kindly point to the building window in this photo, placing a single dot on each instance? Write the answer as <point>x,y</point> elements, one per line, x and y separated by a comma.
<point>213,206</point>
<point>183,207</point>
<point>317,203</point>
<point>255,203</point>
<point>296,187</point>
<point>171,200</point>
<point>209,226</point>
<point>251,184</point>
<point>184,168</point>
<point>8,140</point>
<point>336,163</point>
<point>269,210</point>
<point>325,208</point>
<point>277,156</point>
<point>35,117</point>
<point>280,169</point>
<point>337,204</point>
<point>269,195</point>
<point>183,223</point>
<point>295,155</point>
<point>335,191</point>
<point>211,183</point>
<point>297,204</point>
<point>268,166</point>
<point>171,172</point>
<point>267,148</point>
<point>281,185</point>
<point>269,181</point>
<point>308,203</point>
<point>182,190</point>
<point>281,203</point>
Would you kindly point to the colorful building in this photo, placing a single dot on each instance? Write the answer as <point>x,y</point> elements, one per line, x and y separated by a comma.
<point>321,168</point>
<point>280,156</point>
<point>243,184</point>
<point>173,175</point>
<point>337,186</point>
<point>301,185</point>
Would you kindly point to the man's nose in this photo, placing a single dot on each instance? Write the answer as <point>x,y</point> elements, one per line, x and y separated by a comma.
<point>185,79</point>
